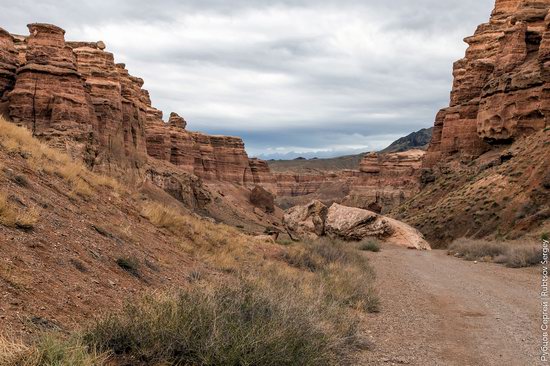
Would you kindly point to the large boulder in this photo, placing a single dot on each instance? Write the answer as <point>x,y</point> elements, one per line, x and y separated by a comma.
<point>306,222</point>
<point>263,199</point>
<point>349,223</point>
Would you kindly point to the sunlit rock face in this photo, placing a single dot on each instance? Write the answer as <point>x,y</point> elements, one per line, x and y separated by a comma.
<point>501,87</point>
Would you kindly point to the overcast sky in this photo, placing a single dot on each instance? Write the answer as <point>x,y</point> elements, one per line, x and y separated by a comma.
<point>306,76</point>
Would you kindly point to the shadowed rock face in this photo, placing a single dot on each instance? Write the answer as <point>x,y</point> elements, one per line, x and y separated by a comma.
<point>501,88</point>
<point>8,63</point>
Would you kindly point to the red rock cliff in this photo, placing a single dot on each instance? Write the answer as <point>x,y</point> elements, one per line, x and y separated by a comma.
<point>74,95</point>
<point>501,88</point>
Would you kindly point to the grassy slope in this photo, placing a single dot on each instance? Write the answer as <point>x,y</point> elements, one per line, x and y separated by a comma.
<point>76,246</point>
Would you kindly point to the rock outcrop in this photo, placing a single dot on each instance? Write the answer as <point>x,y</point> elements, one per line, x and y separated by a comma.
<point>210,157</point>
<point>501,88</point>
<point>351,224</point>
<point>49,96</point>
<point>382,182</point>
<point>8,66</point>
<point>177,121</point>
<point>306,222</point>
<point>487,162</point>
<point>263,199</point>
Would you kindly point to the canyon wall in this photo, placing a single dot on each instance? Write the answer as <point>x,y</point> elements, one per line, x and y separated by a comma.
<point>487,172</point>
<point>501,88</point>
<point>75,96</point>
<point>382,182</point>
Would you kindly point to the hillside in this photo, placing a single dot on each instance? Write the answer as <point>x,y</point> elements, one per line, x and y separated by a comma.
<point>77,245</point>
<point>416,140</point>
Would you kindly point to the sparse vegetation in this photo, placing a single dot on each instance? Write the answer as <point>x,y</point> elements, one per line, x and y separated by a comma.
<point>369,246</point>
<point>242,323</point>
<point>50,351</point>
<point>11,216</point>
<point>345,276</point>
<point>514,254</point>
<point>129,264</point>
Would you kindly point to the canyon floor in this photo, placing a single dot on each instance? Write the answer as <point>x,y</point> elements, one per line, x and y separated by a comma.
<point>440,310</point>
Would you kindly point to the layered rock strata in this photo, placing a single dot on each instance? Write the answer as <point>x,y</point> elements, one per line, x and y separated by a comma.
<point>501,88</point>
<point>382,182</point>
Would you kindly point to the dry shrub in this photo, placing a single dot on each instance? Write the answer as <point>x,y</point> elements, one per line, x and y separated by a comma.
<point>8,213</point>
<point>245,322</point>
<point>514,254</point>
<point>11,352</point>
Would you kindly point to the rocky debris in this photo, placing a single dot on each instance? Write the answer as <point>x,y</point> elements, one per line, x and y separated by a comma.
<point>263,199</point>
<point>350,224</point>
<point>306,222</point>
<point>177,121</point>
<point>501,86</point>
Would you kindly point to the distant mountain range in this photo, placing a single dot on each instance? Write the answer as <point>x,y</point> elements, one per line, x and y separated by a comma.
<point>416,140</point>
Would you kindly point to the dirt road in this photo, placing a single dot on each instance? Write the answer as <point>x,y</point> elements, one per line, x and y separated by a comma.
<point>440,310</point>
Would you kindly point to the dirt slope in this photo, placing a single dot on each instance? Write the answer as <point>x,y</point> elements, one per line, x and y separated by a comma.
<point>439,310</point>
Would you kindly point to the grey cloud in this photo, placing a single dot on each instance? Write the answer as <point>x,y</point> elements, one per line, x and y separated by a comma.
<point>285,75</point>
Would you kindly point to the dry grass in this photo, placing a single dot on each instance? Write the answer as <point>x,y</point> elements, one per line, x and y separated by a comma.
<point>51,351</point>
<point>341,274</point>
<point>11,216</point>
<point>514,254</point>
<point>40,157</point>
<point>11,352</point>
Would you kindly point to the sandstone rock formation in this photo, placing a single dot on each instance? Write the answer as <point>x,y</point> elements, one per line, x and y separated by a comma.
<point>351,224</point>
<point>8,67</point>
<point>488,158</point>
<point>210,157</point>
<point>306,222</point>
<point>501,87</point>
<point>49,96</point>
<point>74,96</point>
<point>177,121</point>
